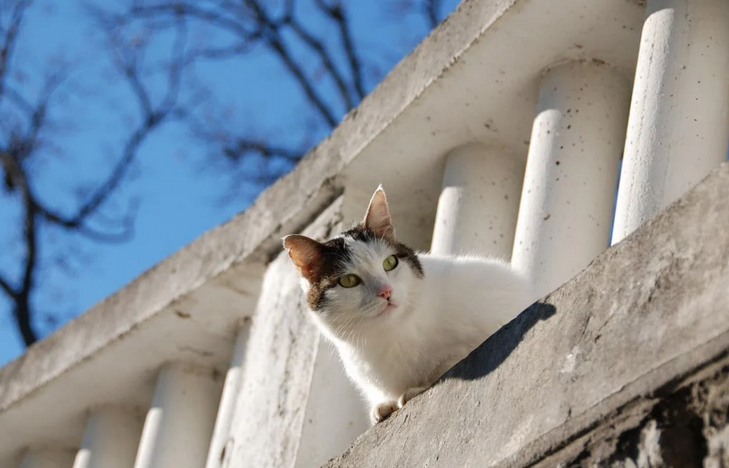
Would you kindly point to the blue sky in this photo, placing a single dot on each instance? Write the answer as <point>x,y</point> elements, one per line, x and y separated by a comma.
<point>180,191</point>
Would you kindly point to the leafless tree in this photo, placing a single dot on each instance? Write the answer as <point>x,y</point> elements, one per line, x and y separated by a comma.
<point>433,11</point>
<point>313,40</point>
<point>25,133</point>
<point>318,50</point>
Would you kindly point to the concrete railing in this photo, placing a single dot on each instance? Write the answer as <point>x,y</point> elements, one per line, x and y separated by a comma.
<point>504,129</point>
<point>625,365</point>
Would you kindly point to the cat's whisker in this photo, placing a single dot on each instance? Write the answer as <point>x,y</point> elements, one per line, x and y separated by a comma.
<point>445,306</point>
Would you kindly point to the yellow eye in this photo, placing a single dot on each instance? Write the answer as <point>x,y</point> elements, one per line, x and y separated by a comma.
<point>390,263</point>
<point>349,281</point>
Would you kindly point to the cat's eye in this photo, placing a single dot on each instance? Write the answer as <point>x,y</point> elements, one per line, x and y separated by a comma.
<point>390,263</point>
<point>349,281</point>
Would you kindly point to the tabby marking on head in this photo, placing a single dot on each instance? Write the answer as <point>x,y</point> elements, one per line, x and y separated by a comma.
<point>400,318</point>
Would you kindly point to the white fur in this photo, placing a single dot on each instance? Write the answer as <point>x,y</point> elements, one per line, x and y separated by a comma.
<point>438,320</point>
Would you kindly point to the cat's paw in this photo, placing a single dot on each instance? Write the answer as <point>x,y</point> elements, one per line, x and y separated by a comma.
<point>382,411</point>
<point>409,394</point>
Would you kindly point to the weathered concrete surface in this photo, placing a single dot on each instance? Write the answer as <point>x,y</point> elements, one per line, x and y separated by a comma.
<point>305,388</point>
<point>682,424</point>
<point>473,79</point>
<point>486,94</point>
<point>647,313</point>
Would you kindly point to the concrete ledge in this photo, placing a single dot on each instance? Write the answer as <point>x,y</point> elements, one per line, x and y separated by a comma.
<point>453,89</point>
<point>682,423</point>
<point>646,314</point>
<point>309,411</point>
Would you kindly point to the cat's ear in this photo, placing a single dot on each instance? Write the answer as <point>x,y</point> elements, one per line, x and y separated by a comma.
<point>377,218</point>
<point>306,254</point>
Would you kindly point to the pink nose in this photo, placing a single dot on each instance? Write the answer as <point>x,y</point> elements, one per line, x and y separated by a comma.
<point>385,292</point>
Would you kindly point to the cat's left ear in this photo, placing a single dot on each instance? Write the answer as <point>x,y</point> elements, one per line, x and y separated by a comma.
<point>306,254</point>
<point>377,218</point>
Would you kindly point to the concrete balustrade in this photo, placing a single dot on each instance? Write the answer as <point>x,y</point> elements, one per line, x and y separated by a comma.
<point>233,380</point>
<point>479,203</point>
<point>335,412</point>
<point>111,439</point>
<point>638,339</point>
<point>679,118</point>
<point>448,128</point>
<point>312,411</point>
<point>179,423</point>
<point>571,172</point>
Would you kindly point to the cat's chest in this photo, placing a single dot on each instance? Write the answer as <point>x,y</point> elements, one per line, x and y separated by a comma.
<point>409,356</point>
<point>395,362</point>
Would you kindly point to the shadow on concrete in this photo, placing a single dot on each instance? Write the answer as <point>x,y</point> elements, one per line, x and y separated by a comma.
<point>492,352</point>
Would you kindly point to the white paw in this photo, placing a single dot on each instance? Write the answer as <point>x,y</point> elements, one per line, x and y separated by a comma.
<point>382,411</point>
<point>409,394</point>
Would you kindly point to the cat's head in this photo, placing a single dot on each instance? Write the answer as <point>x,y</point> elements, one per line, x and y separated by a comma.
<point>359,277</point>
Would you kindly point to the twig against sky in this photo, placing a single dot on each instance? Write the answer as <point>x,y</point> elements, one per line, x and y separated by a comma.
<point>17,151</point>
<point>433,11</point>
<point>324,60</point>
<point>279,28</point>
<point>253,23</point>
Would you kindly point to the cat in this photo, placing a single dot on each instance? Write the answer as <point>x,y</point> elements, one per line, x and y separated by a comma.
<point>400,319</point>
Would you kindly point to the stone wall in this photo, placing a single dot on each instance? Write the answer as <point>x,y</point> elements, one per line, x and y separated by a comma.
<point>681,425</point>
<point>624,365</point>
<point>309,411</point>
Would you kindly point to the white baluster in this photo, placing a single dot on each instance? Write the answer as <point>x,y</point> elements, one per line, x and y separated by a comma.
<point>571,172</point>
<point>111,439</point>
<point>479,203</point>
<point>179,424</point>
<point>678,129</point>
<point>221,433</point>
<point>335,413</point>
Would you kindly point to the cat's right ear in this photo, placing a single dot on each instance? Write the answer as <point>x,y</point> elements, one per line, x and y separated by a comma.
<point>377,217</point>
<point>306,254</point>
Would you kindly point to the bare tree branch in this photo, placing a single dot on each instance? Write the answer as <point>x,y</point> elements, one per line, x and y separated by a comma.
<point>117,174</point>
<point>21,296</point>
<point>17,98</point>
<point>316,100</point>
<point>108,237</point>
<point>254,21</point>
<point>241,147</point>
<point>267,30</point>
<point>275,42</point>
<point>8,41</point>
<point>326,60</point>
<point>174,77</point>
<point>6,287</point>
<point>432,11</point>
<point>215,18</point>
<point>22,303</point>
<point>152,118</point>
<point>30,233</point>
<point>163,91</point>
<point>336,13</point>
<point>20,148</point>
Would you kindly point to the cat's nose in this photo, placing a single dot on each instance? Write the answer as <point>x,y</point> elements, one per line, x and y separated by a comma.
<point>385,292</point>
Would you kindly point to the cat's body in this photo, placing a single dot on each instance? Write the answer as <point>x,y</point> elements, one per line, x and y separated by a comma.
<point>398,328</point>
<point>455,307</point>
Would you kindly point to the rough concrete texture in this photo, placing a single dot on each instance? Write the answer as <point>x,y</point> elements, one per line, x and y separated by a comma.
<point>684,425</point>
<point>279,357</point>
<point>282,356</point>
<point>473,79</point>
<point>626,333</point>
<point>254,235</point>
<point>452,89</point>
